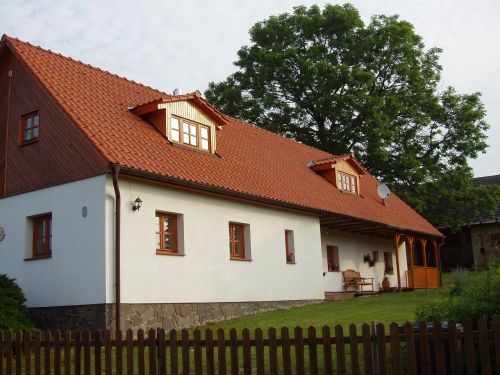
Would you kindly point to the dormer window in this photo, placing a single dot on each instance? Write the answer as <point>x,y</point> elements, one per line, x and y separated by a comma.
<point>187,120</point>
<point>347,182</point>
<point>193,134</point>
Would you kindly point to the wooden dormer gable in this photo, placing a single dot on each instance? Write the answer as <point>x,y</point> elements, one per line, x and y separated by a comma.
<point>187,120</point>
<point>344,172</point>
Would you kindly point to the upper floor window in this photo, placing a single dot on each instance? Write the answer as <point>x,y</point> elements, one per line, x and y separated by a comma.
<point>190,133</point>
<point>42,236</point>
<point>29,127</point>
<point>167,238</point>
<point>347,182</point>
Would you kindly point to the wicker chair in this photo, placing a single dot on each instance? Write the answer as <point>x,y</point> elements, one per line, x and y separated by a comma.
<point>353,279</point>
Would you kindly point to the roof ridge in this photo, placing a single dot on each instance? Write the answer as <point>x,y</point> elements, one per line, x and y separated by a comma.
<point>279,135</point>
<point>10,38</point>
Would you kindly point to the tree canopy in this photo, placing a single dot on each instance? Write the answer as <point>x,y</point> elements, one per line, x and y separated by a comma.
<point>325,78</point>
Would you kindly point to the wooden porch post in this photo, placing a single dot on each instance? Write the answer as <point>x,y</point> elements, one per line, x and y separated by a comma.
<point>438,260</point>
<point>410,245</point>
<point>397,237</point>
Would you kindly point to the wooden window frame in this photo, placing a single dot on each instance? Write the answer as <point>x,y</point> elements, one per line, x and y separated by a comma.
<point>160,216</point>
<point>35,220</point>
<point>22,128</point>
<point>388,262</point>
<point>289,253</point>
<point>233,241</point>
<point>375,256</point>
<point>199,126</point>
<point>333,266</point>
<point>353,182</point>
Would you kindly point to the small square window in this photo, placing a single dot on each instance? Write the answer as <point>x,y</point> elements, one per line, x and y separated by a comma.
<point>239,241</point>
<point>167,234</point>
<point>29,128</point>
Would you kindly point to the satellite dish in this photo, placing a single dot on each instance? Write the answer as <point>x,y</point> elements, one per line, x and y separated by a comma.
<point>383,191</point>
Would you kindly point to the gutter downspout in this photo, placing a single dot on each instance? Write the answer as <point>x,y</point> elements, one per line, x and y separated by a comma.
<point>115,170</point>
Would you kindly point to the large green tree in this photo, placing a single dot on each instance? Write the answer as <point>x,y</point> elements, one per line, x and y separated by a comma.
<point>325,78</point>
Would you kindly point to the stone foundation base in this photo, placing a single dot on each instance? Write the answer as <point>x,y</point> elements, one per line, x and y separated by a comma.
<point>161,315</point>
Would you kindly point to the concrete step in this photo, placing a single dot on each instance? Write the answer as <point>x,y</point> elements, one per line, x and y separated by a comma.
<point>336,296</point>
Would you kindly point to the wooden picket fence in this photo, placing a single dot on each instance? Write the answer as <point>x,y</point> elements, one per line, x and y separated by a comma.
<point>471,348</point>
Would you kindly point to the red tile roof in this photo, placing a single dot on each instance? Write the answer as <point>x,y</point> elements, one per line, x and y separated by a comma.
<point>249,160</point>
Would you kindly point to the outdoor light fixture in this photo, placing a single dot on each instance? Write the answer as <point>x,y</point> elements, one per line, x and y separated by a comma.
<point>137,204</point>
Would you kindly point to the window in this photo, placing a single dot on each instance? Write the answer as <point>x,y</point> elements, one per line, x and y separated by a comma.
<point>375,256</point>
<point>495,240</point>
<point>166,234</point>
<point>332,257</point>
<point>289,247</point>
<point>347,182</point>
<point>389,268</point>
<point>237,241</point>
<point>193,134</point>
<point>29,128</point>
<point>42,236</point>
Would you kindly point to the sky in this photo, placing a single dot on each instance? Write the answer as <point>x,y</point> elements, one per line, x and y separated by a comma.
<point>188,43</point>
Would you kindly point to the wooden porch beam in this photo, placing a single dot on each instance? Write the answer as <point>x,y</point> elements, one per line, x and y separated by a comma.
<point>397,238</point>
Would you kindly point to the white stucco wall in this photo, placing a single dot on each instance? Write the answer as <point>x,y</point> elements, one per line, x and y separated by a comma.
<point>205,273</point>
<point>76,271</point>
<point>352,247</point>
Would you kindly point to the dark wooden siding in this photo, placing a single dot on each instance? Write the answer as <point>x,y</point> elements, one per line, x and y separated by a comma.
<point>62,154</point>
<point>4,90</point>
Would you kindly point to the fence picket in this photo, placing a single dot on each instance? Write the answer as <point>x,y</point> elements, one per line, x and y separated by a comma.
<point>107,352</point>
<point>185,352</point>
<point>19,352</point>
<point>130,351</point>
<point>247,352</point>
<point>299,351</point>
<point>46,353</point>
<point>470,360</point>
<point>484,347</point>
<point>27,353</point>
<point>152,351</point>
<point>119,352</point>
<point>97,352</point>
<point>410,349</point>
<point>67,352</point>
<point>327,350</point>
<point>381,350</point>
<point>141,366</point>
<point>454,349</point>
<point>209,352</point>
<point>259,351</point>
<point>313,351</point>
<point>37,344</point>
<point>2,351</point>
<point>86,352</point>
<point>198,364</point>
<point>162,360</point>
<point>395,349</point>
<point>496,337</point>
<point>221,351</point>
<point>353,345</point>
<point>9,342</point>
<point>233,349</point>
<point>285,351</point>
<point>57,352</point>
<point>77,350</point>
<point>425,353</point>
<point>437,335</point>
<point>273,351</point>
<point>174,359</point>
<point>367,349</point>
<point>340,350</point>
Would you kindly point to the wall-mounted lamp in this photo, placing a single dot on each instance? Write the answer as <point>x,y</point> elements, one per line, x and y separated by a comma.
<point>137,204</point>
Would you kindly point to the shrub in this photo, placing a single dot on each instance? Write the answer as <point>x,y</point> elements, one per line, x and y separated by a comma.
<point>473,295</point>
<point>13,313</point>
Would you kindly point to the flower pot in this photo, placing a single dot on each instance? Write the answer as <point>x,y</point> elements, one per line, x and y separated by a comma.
<point>386,284</point>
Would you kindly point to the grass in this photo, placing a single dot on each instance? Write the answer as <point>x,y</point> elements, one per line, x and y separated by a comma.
<point>382,308</point>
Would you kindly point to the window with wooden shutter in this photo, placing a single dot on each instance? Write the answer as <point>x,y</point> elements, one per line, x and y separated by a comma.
<point>332,256</point>
<point>167,241</point>
<point>389,268</point>
<point>289,247</point>
<point>42,236</point>
<point>237,241</point>
<point>29,129</point>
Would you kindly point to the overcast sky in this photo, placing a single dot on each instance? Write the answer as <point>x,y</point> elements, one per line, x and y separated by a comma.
<point>188,43</point>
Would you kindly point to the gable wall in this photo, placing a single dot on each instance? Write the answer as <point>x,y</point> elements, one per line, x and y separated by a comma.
<point>62,153</point>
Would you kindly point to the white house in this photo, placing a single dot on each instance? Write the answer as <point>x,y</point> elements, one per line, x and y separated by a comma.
<point>118,200</point>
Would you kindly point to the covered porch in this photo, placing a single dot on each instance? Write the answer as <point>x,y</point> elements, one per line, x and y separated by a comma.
<point>408,260</point>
